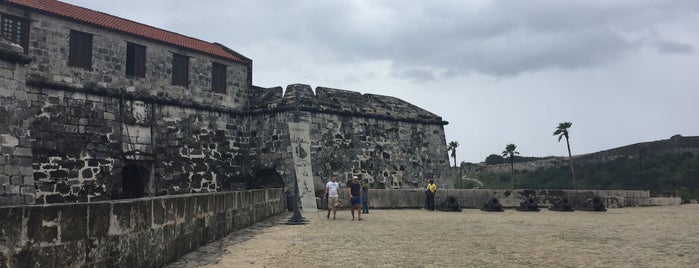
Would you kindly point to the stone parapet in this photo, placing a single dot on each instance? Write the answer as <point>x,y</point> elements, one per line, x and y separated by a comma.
<point>474,198</point>
<point>144,232</point>
<point>339,102</point>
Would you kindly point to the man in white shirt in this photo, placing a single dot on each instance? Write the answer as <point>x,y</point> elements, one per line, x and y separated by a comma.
<point>331,194</point>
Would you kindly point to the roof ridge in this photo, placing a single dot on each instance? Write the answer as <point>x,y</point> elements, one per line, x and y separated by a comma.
<point>128,26</point>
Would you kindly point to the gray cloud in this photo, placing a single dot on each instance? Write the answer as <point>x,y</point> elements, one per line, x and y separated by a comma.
<point>496,38</point>
<point>674,47</point>
<point>416,74</point>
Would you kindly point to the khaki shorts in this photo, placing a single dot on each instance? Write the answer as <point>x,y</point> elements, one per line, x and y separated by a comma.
<point>333,201</point>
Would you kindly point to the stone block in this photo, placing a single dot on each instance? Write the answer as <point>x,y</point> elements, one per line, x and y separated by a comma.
<point>42,225</point>
<point>109,116</point>
<point>96,252</point>
<point>69,254</point>
<point>73,223</point>
<point>55,198</point>
<point>123,211</point>
<point>142,219</point>
<point>201,203</point>
<point>27,190</point>
<point>28,179</point>
<point>170,239</point>
<point>11,169</point>
<point>99,219</point>
<point>160,211</point>
<point>13,189</point>
<point>11,225</point>
<point>183,207</point>
<point>33,257</point>
<point>16,180</point>
<point>12,199</point>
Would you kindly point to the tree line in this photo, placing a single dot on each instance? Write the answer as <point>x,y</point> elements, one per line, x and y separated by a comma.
<point>660,174</point>
<point>675,174</point>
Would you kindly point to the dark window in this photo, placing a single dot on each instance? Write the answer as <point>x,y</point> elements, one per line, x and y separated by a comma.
<point>16,30</point>
<point>180,70</point>
<point>80,52</point>
<point>135,60</point>
<point>218,77</point>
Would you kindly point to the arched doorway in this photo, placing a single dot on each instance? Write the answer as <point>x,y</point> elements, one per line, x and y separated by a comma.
<point>266,178</point>
<point>134,180</point>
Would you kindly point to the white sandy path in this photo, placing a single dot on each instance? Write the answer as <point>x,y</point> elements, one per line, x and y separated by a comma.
<point>628,237</point>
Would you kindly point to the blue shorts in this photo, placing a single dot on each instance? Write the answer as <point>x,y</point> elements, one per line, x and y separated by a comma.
<point>355,201</point>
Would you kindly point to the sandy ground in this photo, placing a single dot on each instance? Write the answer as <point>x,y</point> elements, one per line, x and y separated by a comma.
<point>626,237</point>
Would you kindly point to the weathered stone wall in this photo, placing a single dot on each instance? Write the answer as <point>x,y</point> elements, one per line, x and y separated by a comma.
<point>83,142</point>
<point>16,181</point>
<point>75,145</point>
<point>199,151</point>
<point>145,232</point>
<point>391,154</point>
<point>270,147</point>
<point>48,47</point>
<point>395,144</point>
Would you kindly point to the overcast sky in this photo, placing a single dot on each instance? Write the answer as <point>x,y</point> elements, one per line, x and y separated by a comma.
<point>622,71</point>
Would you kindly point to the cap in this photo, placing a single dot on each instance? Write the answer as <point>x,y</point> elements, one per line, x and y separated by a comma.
<point>355,177</point>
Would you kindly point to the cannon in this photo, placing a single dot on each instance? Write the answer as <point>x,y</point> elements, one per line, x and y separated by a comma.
<point>449,203</point>
<point>528,204</point>
<point>562,204</point>
<point>594,204</point>
<point>492,205</point>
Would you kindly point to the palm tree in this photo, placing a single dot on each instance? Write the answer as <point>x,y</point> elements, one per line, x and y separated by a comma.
<point>510,151</point>
<point>452,147</point>
<point>562,131</point>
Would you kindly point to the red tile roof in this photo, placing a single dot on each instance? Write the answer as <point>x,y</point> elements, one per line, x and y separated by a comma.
<point>118,24</point>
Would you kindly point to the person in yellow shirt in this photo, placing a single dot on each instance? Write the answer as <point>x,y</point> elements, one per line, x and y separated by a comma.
<point>429,195</point>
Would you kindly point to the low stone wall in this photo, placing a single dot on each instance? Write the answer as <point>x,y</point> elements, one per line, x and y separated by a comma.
<point>144,232</point>
<point>474,198</point>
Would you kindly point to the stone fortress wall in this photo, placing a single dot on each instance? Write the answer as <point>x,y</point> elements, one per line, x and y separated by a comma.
<point>75,134</point>
<point>391,142</point>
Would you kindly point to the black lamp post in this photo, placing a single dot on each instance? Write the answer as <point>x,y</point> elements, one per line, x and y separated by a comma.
<point>296,218</point>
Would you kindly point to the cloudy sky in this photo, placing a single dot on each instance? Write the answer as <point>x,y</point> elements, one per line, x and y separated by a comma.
<point>622,71</point>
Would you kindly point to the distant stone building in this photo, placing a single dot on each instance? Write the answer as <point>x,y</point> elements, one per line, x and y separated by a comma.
<point>96,107</point>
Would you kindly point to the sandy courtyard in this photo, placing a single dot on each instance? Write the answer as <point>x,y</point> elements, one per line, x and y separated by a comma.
<point>627,237</point>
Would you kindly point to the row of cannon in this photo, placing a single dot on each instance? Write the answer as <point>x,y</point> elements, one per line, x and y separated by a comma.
<point>492,204</point>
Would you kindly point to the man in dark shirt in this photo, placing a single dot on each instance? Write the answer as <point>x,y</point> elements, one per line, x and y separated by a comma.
<point>355,193</point>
